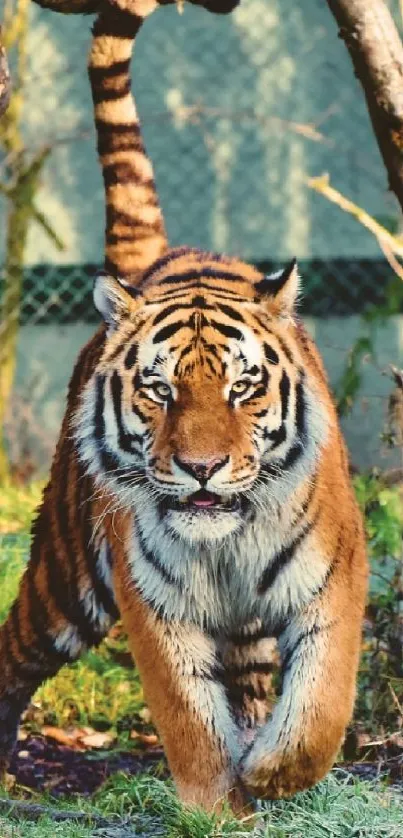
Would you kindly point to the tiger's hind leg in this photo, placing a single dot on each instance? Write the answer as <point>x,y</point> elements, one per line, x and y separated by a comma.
<point>250,659</point>
<point>63,607</point>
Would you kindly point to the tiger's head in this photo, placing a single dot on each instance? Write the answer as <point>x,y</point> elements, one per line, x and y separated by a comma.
<point>200,402</point>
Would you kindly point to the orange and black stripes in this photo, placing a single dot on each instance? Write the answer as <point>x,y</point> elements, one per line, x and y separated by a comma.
<point>135,234</point>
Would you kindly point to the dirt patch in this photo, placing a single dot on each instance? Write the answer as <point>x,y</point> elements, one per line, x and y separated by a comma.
<point>43,765</point>
<point>389,771</point>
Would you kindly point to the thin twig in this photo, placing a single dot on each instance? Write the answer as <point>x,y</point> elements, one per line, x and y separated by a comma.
<point>396,700</point>
<point>322,185</point>
<point>193,114</point>
<point>391,258</point>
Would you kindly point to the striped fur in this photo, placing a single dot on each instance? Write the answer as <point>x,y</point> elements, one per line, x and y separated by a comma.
<point>199,489</point>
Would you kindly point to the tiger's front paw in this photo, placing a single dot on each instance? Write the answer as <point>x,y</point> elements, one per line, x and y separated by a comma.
<point>278,774</point>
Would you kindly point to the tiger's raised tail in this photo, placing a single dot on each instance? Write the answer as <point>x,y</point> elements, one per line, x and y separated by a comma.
<point>135,232</point>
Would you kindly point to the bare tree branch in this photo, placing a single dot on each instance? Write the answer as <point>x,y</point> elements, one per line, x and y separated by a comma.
<point>376,50</point>
<point>385,239</point>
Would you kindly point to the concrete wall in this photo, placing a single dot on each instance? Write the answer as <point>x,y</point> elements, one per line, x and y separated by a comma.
<point>46,356</point>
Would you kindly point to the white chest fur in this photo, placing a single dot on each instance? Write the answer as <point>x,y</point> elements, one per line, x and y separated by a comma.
<point>250,575</point>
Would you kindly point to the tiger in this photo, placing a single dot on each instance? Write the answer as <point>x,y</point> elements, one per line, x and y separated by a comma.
<point>200,492</point>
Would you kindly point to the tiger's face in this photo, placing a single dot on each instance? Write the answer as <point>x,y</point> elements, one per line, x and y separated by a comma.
<point>197,398</point>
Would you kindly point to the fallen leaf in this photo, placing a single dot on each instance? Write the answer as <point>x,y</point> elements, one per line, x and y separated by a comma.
<point>79,738</point>
<point>71,739</point>
<point>85,731</point>
<point>148,739</point>
<point>98,740</point>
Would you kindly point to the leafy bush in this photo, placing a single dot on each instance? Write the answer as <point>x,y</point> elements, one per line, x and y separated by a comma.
<point>380,694</point>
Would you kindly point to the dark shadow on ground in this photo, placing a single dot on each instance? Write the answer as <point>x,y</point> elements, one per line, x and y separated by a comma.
<point>43,765</point>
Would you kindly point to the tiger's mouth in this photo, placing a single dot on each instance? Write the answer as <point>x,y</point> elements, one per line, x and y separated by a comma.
<point>204,502</point>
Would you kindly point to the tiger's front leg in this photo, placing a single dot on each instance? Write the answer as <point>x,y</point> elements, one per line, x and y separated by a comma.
<point>299,744</point>
<point>178,668</point>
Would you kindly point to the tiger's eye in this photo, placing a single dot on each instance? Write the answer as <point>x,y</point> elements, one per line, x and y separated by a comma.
<point>162,390</point>
<point>240,387</point>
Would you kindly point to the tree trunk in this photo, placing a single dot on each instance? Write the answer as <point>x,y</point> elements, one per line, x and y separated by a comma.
<point>376,50</point>
<point>17,229</point>
<point>19,218</point>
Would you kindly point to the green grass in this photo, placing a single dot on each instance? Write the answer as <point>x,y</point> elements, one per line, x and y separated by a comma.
<point>45,829</point>
<point>337,808</point>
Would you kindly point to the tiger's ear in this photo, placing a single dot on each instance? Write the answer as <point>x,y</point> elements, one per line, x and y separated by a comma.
<point>280,290</point>
<point>114,299</point>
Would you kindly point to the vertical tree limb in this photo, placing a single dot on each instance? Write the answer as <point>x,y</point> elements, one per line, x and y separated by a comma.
<point>19,184</point>
<point>376,50</point>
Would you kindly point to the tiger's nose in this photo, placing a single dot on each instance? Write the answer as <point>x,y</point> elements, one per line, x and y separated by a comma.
<point>202,470</point>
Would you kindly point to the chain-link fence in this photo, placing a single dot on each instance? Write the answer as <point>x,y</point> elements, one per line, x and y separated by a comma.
<point>332,288</point>
<point>238,114</point>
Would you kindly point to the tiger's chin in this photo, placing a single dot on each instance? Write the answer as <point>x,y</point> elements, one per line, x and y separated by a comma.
<point>201,528</point>
<point>204,516</point>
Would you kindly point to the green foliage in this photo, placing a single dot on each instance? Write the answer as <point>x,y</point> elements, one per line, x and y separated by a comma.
<point>382,509</point>
<point>393,304</point>
<point>363,350</point>
<point>381,671</point>
<point>17,504</point>
<point>350,381</point>
<point>13,554</point>
<point>95,691</point>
